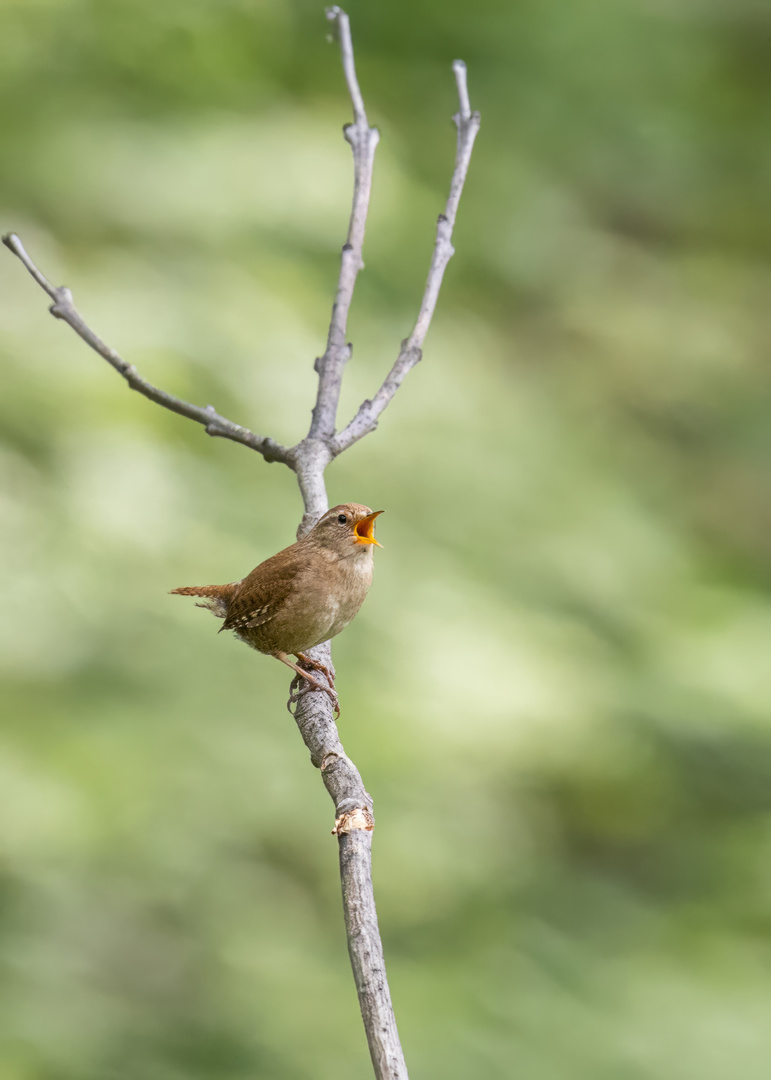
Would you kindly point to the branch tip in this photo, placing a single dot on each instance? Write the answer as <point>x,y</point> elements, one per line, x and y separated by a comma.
<point>459,69</point>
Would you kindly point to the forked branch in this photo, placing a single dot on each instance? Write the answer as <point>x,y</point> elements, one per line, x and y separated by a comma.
<point>308,459</point>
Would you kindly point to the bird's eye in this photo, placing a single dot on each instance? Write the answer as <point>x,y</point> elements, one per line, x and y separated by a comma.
<point>342,519</point>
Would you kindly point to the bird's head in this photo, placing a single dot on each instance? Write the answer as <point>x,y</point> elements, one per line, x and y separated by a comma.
<point>346,529</point>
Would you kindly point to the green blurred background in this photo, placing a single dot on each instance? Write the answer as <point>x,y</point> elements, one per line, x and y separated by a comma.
<point>558,690</point>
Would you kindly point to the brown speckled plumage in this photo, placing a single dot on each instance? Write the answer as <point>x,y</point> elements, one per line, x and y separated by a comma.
<point>305,594</point>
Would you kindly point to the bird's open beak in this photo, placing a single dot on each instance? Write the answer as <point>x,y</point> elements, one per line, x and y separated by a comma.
<point>365,530</point>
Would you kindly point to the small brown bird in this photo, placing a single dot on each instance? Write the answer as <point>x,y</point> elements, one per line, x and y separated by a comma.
<point>302,596</point>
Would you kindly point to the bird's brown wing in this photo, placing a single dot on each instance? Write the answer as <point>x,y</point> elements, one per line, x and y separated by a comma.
<point>261,595</point>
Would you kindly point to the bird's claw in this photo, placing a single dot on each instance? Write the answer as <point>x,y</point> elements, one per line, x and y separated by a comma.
<point>297,688</point>
<point>309,664</point>
<point>301,685</point>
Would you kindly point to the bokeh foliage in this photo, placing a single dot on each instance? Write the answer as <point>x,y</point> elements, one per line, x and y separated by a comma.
<point>558,691</point>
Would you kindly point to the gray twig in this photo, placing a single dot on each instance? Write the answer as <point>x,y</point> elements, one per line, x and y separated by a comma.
<point>354,826</point>
<point>366,419</point>
<point>363,140</point>
<point>214,424</point>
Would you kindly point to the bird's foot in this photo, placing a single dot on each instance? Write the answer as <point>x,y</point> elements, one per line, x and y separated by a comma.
<point>309,664</point>
<point>303,684</point>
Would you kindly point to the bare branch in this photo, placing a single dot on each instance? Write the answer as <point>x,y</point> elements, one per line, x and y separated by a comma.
<point>337,15</point>
<point>309,459</point>
<point>354,824</point>
<point>459,70</point>
<point>363,140</point>
<point>366,418</point>
<point>214,424</point>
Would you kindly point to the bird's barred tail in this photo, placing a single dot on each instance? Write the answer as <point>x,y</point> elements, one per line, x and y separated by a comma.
<point>216,597</point>
<point>203,590</point>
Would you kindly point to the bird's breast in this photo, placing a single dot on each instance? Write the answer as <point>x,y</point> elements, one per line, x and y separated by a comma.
<point>354,580</point>
<point>337,594</point>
